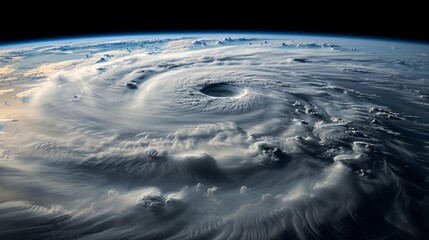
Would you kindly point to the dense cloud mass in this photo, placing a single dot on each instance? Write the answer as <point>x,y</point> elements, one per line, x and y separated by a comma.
<point>264,137</point>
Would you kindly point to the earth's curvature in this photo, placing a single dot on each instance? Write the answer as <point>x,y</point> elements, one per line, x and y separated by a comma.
<point>214,136</point>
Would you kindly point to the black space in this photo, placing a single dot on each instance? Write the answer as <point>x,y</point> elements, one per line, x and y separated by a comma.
<point>402,22</point>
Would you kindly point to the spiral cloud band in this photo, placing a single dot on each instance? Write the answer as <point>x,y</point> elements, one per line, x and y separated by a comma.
<point>213,137</point>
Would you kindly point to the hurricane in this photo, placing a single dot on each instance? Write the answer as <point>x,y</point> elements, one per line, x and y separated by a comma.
<point>214,137</point>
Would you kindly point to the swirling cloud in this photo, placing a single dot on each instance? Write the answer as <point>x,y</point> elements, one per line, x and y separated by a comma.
<point>214,138</point>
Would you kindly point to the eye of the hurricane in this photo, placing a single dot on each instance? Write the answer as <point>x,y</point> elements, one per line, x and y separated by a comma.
<point>222,90</point>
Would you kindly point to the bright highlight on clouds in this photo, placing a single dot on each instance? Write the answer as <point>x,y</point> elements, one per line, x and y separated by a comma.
<point>6,70</point>
<point>265,137</point>
<point>50,68</point>
<point>4,91</point>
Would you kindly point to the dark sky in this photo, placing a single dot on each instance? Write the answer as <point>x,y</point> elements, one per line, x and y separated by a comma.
<point>399,22</point>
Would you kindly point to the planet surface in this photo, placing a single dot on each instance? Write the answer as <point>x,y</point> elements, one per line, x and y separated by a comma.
<point>214,136</point>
